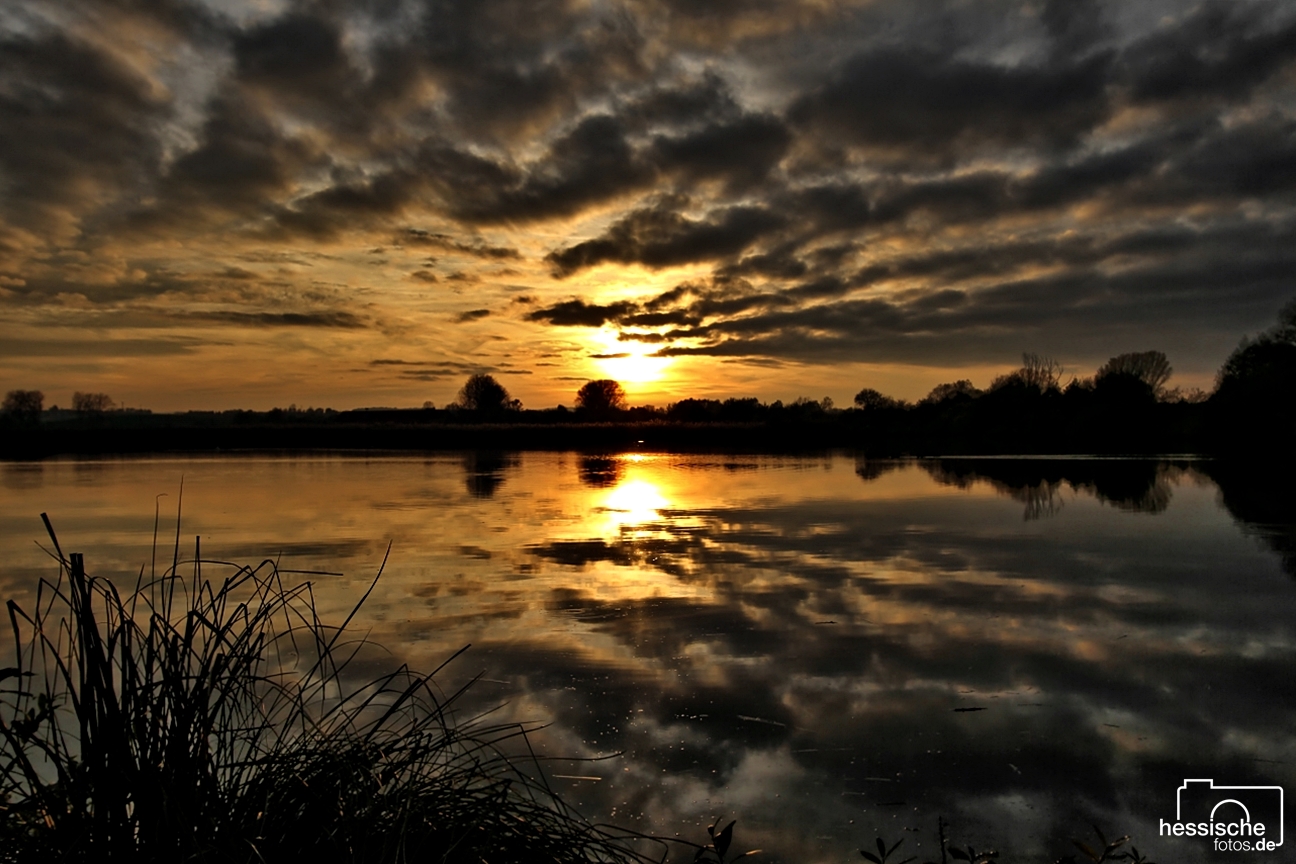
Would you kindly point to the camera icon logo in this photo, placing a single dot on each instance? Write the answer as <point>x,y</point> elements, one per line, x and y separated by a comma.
<point>1201,801</point>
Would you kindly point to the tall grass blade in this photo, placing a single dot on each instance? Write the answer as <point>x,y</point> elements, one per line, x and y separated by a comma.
<point>214,718</point>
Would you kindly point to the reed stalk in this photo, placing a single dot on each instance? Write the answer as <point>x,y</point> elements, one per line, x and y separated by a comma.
<point>218,718</point>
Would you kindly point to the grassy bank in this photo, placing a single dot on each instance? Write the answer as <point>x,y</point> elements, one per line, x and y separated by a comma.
<point>211,715</point>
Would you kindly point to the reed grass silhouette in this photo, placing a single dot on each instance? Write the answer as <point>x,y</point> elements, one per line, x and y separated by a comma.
<point>218,718</point>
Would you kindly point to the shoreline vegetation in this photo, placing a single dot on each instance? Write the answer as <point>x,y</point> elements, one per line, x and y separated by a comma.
<point>1125,408</point>
<point>1049,423</point>
<point>217,718</point>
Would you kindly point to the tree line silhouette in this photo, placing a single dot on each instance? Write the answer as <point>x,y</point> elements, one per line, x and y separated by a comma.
<point>1126,406</point>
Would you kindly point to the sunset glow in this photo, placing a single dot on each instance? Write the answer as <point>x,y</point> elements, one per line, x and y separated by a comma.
<point>630,363</point>
<point>244,205</point>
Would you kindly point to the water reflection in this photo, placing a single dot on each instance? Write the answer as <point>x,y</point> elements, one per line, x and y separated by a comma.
<point>823,648</point>
<point>22,476</point>
<point>872,469</point>
<point>1138,485</point>
<point>1260,498</point>
<point>601,472</point>
<point>484,472</point>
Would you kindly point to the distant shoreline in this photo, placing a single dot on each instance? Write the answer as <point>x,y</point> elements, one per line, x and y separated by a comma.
<point>413,437</point>
<point>1169,429</point>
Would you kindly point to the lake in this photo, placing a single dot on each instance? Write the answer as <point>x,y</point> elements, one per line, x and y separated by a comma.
<point>824,648</point>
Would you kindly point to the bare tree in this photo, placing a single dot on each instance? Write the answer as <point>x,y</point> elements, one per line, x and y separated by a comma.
<point>92,403</point>
<point>1036,372</point>
<point>1041,372</point>
<point>1150,367</point>
<point>601,397</point>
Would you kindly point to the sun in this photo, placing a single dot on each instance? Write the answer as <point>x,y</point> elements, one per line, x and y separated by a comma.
<point>629,362</point>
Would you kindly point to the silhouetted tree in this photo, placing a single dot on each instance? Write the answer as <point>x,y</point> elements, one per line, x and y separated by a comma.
<point>23,406</point>
<point>804,407</point>
<point>947,392</point>
<point>1266,366</point>
<point>1123,390</point>
<point>92,403</point>
<point>1254,403</point>
<point>1079,386</point>
<point>1036,373</point>
<point>1042,372</point>
<point>1150,367</point>
<point>696,410</point>
<point>742,410</point>
<point>601,397</point>
<point>484,394</point>
<point>1262,369</point>
<point>872,400</point>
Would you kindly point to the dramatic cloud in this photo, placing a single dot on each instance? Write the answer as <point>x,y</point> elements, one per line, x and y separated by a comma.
<point>578,313</point>
<point>659,237</point>
<point>907,104</point>
<point>939,184</point>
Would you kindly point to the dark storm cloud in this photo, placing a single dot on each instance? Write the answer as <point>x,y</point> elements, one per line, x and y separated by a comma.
<point>1074,25</point>
<point>930,104</point>
<point>1219,50</point>
<point>742,152</point>
<point>513,65</point>
<point>660,237</point>
<point>1201,162</point>
<point>297,54</point>
<point>1170,276</point>
<point>590,163</point>
<point>77,127</point>
<point>243,166</point>
<point>596,160</point>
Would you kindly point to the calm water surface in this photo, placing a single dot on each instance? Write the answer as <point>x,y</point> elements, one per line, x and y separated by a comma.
<point>823,648</point>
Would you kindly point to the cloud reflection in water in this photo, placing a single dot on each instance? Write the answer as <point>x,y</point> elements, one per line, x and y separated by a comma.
<point>794,641</point>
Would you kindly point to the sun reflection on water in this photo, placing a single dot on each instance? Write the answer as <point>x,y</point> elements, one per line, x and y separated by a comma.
<point>632,505</point>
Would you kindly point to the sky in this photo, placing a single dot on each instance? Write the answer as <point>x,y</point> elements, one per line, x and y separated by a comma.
<point>257,203</point>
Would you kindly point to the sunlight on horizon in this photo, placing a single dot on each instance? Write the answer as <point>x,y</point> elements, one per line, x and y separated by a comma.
<point>629,363</point>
